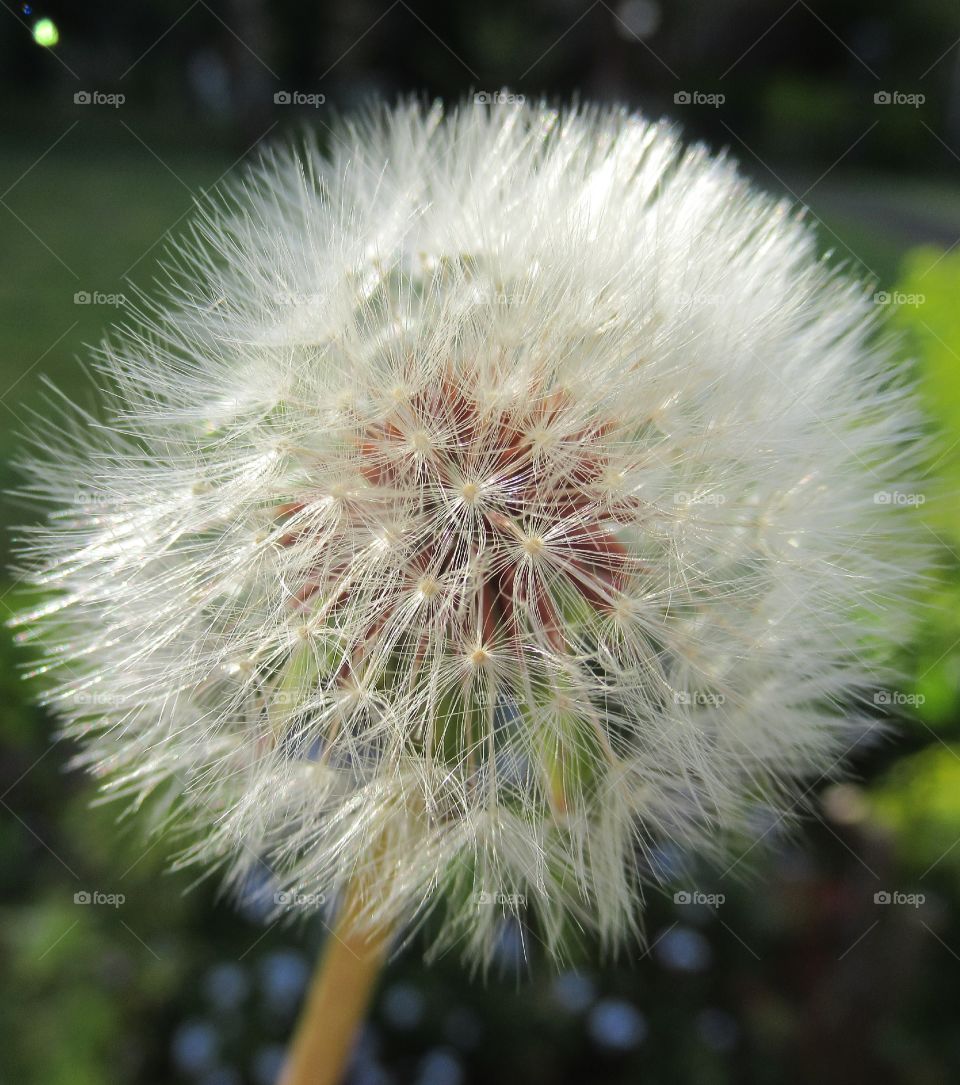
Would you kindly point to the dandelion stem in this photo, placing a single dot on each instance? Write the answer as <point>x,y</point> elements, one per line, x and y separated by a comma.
<point>337,1000</point>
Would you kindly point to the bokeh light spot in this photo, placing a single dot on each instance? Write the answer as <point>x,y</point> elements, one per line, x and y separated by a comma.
<point>45,33</point>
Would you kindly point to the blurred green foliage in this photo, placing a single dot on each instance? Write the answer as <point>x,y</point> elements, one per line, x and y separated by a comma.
<point>920,796</point>
<point>929,310</point>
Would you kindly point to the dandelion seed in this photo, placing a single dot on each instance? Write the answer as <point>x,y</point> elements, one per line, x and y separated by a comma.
<point>490,503</point>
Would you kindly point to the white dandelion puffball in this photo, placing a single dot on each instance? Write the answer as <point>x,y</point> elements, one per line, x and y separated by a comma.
<point>487,508</point>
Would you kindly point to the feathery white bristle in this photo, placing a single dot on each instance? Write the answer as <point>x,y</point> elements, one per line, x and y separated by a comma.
<point>489,505</point>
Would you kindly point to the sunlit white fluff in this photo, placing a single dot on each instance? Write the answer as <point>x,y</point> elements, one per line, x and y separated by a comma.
<point>487,507</point>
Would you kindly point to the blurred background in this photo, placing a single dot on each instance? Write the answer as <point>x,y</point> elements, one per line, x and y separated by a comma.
<point>833,956</point>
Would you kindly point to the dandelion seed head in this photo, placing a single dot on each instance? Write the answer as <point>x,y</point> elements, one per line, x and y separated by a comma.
<point>489,508</point>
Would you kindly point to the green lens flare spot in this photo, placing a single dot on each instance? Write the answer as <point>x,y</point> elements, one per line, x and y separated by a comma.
<point>45,33</point>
